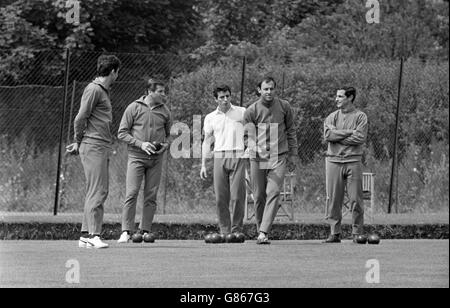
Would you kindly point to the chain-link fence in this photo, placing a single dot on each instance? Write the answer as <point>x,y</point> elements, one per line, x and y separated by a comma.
<point>31,113</point>
<point>31,95</point>
<point>423,132</point>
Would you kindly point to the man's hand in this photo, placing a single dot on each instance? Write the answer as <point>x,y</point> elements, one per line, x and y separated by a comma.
<point>203,173</point>
<point>291,163</point>
<point>148,148</point>
<point>164,147</point>
<point>72,149</point>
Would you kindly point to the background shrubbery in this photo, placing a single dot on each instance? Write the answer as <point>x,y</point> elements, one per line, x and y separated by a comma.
<point>312,47</point>
<point>28,169</point>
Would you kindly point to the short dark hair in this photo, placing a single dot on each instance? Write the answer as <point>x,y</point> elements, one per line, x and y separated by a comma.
<point>350,91</point>
<point>107,63</point>
<point>267,79</point>
<point>221,88</point>
<point>152,84</point>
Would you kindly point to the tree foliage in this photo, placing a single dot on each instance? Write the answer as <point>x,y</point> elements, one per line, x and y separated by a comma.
<point>113,25</point>
<point>119,25</point>
<point>252,22</point>
<point>279,31</point>
<point>143,25</point>
<point>406,29</point>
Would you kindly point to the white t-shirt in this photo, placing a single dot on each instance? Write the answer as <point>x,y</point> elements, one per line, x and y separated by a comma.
<point>227,129</point>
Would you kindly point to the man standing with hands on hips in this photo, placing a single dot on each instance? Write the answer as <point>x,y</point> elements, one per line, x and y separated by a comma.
<point>272,143</point>
<point>345,131</point>
<point>93,141</point>
<point>145,127</point>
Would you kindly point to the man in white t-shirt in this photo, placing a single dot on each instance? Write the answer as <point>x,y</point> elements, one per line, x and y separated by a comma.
<point>224,126</point>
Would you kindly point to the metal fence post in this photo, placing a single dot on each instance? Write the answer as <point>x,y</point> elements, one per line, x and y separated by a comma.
<point>244,60</point>
<point>72,99</point>
<point>395,154</point>
<point>58,167</point>
<point>165,172</point>
<point>62,178</point>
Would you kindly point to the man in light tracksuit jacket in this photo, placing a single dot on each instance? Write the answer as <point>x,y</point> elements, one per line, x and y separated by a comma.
<point>93,141</point>
<point>345,131</point>
<point>145,127</point>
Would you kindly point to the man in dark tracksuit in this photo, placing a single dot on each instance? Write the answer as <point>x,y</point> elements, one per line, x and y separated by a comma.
<point>93,140</point>
<point>345,130</point>
<point>145,126</point>
<point>272,144</point>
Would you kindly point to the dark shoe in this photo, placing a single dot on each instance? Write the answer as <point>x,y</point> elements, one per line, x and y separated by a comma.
<point>333,238</point>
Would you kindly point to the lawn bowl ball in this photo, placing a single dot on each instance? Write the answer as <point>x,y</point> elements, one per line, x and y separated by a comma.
<point>240,237</point>
<point>230,238</point>
<point>361,239</point>
<point>158,146</point>
<point>216,239</point>
<point>149,238</point>
<point>222,237</point>
<point>208,238</point>
<point>373,239</point>
<point>137,238</point>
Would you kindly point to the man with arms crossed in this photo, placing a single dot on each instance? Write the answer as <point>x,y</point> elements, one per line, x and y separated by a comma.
<point>145,127</point>
<point>268,162</point>
<point>345,131</point>
<point>93,141</point>
<point>225,126</point>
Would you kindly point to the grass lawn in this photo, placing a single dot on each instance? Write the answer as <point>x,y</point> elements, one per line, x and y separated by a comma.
<point>301,218</point>
<point>195,264</point>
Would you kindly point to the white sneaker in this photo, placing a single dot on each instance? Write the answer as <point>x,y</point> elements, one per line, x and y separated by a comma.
<point>262,239</point>
<point>124,238</point>
<point>83,242</point>
<point>96,242</point>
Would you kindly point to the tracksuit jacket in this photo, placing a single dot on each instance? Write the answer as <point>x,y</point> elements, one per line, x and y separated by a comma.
<point>277,112</point>
<point>93,122</point>
<point>144,123</point>
<point>351,148</point>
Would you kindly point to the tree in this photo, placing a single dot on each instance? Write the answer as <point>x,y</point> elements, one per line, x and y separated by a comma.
<point>292,12</point>
<point>242,25</point>
<point>113,25</point>
<point>142,25</point>
<point>19,39</point>
<point>119,25</point>
<point>406,29</point>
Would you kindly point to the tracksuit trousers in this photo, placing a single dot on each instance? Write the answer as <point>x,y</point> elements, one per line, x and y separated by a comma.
<point>95,160</point>
<point>137,170</point>
<point>267,181</point>
<point>341,177</point>
<point>230,190</point>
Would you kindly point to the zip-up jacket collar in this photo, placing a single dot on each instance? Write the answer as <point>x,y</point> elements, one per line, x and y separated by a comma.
<point>143,123</point>
<point>154,102</point>
<point>99,83</point>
